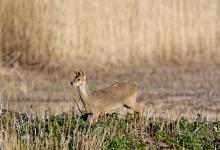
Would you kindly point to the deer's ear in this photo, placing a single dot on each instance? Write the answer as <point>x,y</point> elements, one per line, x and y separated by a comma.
<point>81,73</point>
<point>84,77</point>
<point>76,72</point>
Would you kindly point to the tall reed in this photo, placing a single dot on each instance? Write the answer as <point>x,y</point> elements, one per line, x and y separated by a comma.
<point>100,32</point>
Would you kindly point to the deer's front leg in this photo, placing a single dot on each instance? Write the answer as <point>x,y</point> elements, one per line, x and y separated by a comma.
<point>94,117</point>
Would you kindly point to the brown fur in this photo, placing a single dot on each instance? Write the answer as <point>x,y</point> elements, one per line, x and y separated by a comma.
<point>104,100</point>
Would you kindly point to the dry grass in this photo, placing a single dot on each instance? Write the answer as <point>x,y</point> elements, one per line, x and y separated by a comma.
<point>69,131</point>
<point>111,40</point>
<point>101,32</point>
<point>167,92</point>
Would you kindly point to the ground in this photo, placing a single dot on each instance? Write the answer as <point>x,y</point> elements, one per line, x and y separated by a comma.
<point>166,91</point>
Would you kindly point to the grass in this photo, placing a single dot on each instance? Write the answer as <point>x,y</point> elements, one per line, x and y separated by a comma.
<point>69,131</point>
<point>182,111</point>
<point>74,33</point>
<point>166,91</point>
<point>169,47</point>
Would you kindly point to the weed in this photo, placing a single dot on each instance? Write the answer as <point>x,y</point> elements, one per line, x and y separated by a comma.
<point>67,132</point>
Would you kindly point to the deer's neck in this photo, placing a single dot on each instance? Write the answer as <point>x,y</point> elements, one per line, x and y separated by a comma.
<point>83,93</point>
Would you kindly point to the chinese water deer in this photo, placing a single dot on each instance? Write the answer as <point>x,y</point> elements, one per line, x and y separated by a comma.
<point>117,95</point>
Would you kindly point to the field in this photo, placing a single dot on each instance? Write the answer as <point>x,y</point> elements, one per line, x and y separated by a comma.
<point>182,107</point>
<point>67,131</point>
<point>170,48</point>
<point>38,34</point>
<point>167,91</point>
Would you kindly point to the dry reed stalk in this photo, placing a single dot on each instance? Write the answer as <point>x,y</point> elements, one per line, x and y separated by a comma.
<point>100,32</point>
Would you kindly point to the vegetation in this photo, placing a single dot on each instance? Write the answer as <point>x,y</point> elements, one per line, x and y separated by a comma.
<point>178,41</point>
<point>68,131</point>
<point>73,32</point>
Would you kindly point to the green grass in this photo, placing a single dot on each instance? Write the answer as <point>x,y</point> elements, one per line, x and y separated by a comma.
<point>68,131</point>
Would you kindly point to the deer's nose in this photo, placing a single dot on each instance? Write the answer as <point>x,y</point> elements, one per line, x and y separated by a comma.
<point>71,83</point>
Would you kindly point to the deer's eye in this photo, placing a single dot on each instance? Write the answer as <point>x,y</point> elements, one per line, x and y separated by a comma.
<point>78,79</point>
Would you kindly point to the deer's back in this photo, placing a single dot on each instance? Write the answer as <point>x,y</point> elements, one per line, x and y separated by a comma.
<point>118,91</point>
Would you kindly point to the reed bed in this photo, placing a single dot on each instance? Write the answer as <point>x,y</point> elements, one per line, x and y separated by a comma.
<point>101,32</point>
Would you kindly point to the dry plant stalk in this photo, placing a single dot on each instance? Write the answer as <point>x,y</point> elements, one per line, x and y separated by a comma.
<point>73,32</point>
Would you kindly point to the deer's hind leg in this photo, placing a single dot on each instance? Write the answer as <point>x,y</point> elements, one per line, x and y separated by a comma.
<point>137,108</point>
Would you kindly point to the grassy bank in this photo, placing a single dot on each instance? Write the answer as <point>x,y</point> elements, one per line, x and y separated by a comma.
<point>67,131</point>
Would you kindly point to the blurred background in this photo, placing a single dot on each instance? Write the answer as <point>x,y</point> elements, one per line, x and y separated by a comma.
<point>73,33</point>
<point>171,48</point>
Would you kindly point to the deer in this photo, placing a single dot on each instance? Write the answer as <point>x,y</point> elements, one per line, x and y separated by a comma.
<point>119,94</point>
